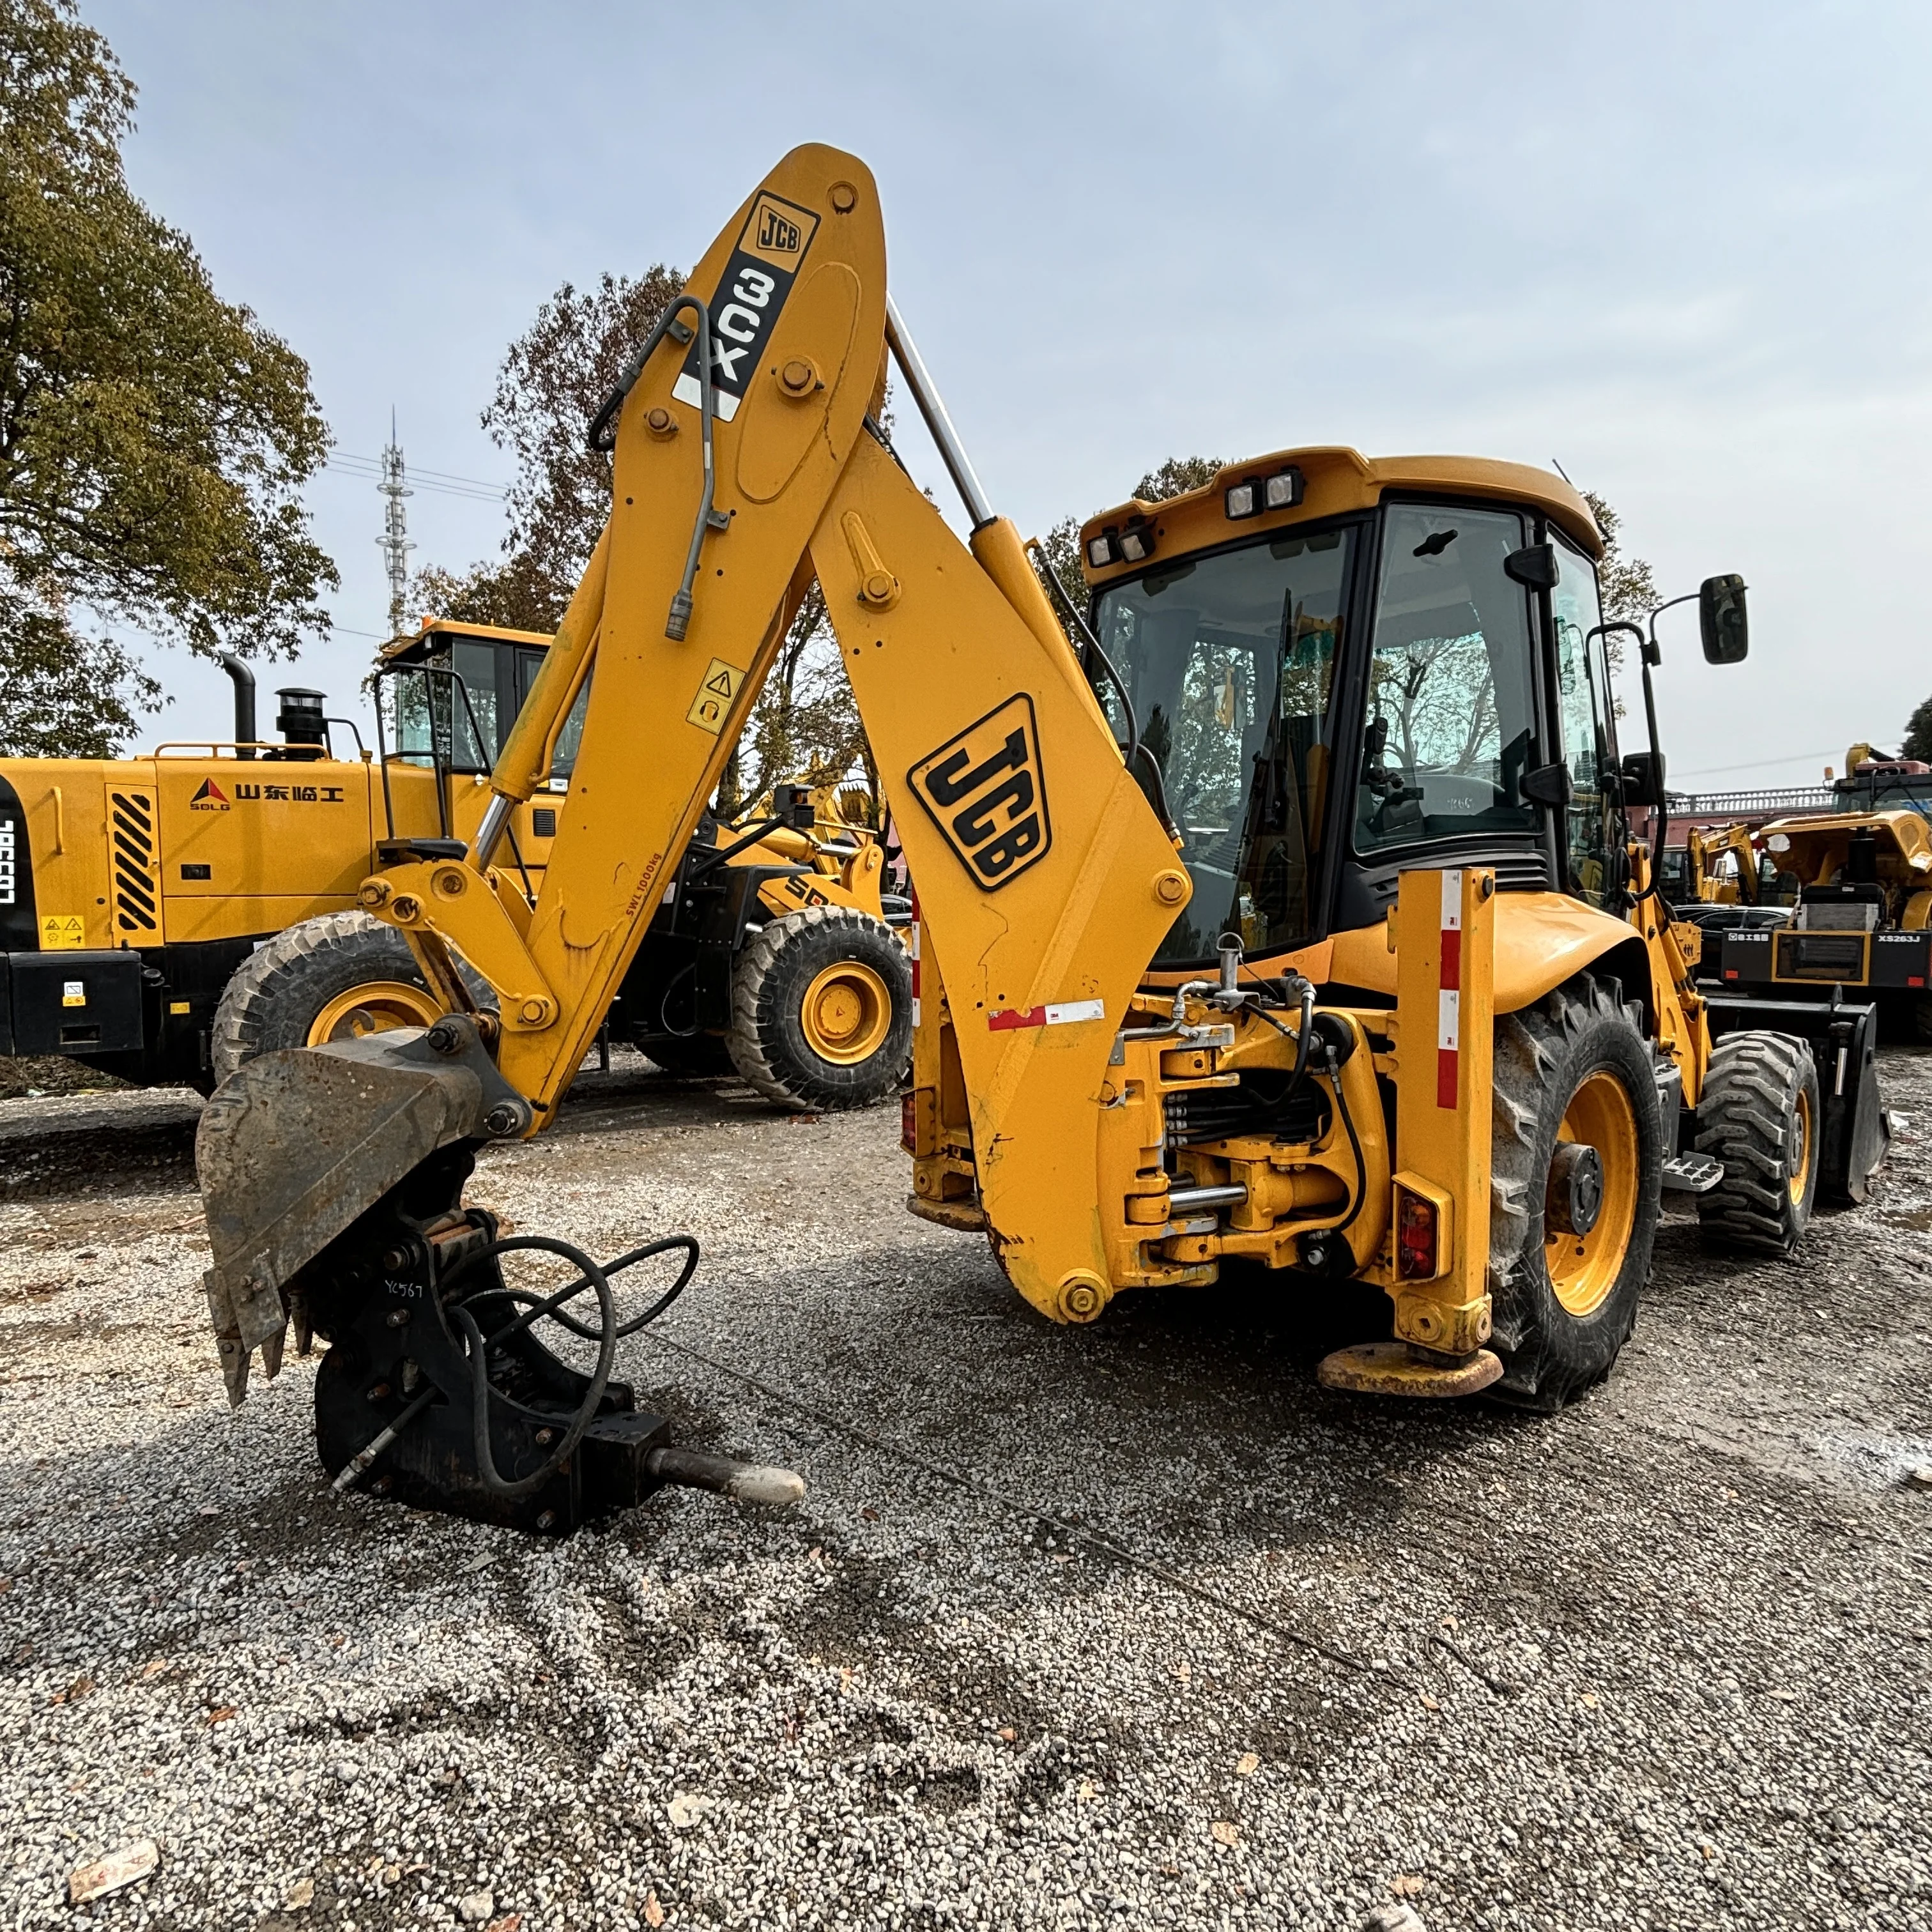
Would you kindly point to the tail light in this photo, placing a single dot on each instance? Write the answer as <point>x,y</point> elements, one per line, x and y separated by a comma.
<point>1422,1230</point>
<point>909,1122</point>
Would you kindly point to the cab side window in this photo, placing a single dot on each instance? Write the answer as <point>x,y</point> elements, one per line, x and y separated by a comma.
<point>1585,716</point>
<point>1451,708</point>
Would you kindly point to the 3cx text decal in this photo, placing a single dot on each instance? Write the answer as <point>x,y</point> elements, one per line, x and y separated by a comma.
<point>212,798</point>
<point>986,793</point>
<point>756,280</point>
<point>7,862</point>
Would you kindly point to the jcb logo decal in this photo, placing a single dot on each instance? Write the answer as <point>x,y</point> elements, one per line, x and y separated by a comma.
<point>776,233</point>
<point>987,795</point>
<point>779,230</point>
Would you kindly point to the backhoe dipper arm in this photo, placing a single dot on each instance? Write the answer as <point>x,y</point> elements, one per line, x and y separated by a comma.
<point>1045,880</point>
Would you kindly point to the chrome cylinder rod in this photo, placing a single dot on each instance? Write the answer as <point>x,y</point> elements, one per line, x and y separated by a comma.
<point>496,817</point>
<point>1184,1200</point>
<point>958,466</point>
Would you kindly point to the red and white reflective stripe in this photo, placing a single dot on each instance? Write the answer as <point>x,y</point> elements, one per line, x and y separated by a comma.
<point>1449,997</point>
<point>1061,1013</point>
<point>912,947</point>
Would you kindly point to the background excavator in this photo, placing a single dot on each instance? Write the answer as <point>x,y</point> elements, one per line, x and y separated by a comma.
<point>1288,914</point>
<point>166,918</point>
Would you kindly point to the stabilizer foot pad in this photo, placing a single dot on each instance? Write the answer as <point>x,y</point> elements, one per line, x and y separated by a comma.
<point>965,1217</point>
<point>1394,1368</point>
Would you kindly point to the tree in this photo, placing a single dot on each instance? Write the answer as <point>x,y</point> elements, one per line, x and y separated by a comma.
<point>154,439</point>
<point>1060,546</point>
<point>1919,734</point>
<point>62,702</point>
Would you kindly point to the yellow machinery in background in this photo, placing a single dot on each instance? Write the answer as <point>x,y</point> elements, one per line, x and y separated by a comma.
<point>1862,875</point>
<point>166,918</point>
<point>1291,917</point>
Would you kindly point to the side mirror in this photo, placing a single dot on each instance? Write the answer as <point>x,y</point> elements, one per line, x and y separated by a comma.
<point>1643,779</point>
<point>1721,612</point>
<point>791,806</point>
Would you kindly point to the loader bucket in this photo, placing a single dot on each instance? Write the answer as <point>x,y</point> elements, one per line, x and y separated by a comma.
<point>296,1145</point>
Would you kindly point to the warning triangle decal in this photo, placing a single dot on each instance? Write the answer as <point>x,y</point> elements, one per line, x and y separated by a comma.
<point>722,684</point>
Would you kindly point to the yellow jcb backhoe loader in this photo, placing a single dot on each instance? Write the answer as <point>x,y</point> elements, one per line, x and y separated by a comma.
<point>166,918</point>
<point>1291,918</point>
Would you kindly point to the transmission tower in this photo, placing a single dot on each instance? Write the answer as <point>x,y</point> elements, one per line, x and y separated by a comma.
<point>394,543</point>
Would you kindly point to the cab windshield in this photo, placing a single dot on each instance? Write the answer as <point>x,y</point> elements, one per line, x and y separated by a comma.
<point>1230,661</point>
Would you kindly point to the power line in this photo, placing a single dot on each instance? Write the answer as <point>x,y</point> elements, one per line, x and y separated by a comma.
<point>1753,765</point>
<point>441,481</point>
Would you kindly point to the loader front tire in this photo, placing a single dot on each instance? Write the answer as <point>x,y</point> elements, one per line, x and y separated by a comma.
<point>1759,1114</point>
<point>337,977</point>
<point>1570,1239</point>
<point>821,1009</point>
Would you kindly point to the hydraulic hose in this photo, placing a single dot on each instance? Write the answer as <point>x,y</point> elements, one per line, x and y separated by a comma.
<point>603,437</point>
<point>591,1276</point>
<point>536,1307</point>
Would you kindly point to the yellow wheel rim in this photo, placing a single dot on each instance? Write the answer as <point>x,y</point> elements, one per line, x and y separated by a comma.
<point>1583,1268</point>
<point>380,1005</point>
<point>847,1014</point>
<point>1801,1175</point>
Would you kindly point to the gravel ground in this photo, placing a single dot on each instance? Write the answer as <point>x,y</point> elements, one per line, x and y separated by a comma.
<point>1661,1660</point>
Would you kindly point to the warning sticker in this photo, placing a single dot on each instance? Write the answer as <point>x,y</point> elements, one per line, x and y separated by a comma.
<point>62,932</point>
<point>712,705</point>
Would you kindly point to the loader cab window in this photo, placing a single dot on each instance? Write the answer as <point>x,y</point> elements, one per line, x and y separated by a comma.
<point>1592,836</point>
<point>1449,726</point>
<point>1230,660</point>
<point>432,723</point>
<point>563,760</point>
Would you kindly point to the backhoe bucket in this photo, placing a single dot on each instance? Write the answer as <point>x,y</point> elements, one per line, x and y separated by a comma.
<point>297,1145</point>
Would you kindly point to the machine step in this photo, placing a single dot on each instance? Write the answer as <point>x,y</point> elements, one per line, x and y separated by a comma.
<point>1693,1173</point>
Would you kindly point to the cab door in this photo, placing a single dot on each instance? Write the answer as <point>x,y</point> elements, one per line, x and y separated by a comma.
<point>1593,832</point>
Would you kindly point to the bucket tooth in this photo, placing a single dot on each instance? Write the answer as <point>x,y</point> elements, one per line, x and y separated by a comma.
<point>296,1146</point>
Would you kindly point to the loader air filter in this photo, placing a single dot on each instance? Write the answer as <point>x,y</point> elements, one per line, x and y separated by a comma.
<point>299,720</point>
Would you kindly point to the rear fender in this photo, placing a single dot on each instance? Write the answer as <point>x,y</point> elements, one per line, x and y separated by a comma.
<point>1542,939</point>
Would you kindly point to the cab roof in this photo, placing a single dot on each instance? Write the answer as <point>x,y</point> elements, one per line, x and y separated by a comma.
<point>1336,479</point>
<point>423,639</point>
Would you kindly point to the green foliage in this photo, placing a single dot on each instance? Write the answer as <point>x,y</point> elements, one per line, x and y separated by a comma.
<point>1060,546</point>
<point>154,439</point>
<point>1919,734</point>
<point>67,697</point>
<point>1176,477</point>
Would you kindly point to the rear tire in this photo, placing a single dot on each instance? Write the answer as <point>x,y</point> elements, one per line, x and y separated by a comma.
<point>1759,1114</point>
<point>339,977</point>
<point>821,1010</point>
<point>1564,1302</point>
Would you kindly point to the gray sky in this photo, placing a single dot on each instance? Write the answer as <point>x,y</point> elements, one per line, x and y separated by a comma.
<point>1680,248</point>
